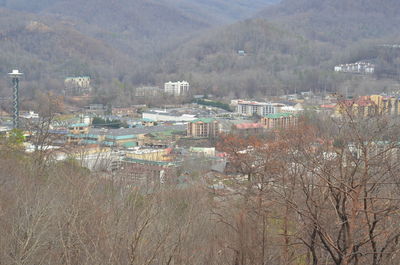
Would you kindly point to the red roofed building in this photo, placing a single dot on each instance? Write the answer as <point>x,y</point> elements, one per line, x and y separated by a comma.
<point>329,106</point>
<point>362,107</point>
<point>249,128</point>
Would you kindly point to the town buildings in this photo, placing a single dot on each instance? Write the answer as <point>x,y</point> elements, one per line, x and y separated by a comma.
<point>179,88</point>
<point>367,106</point>
<point>125,138</point>
<point>361,107</point>
<point>130,111</point>
<point>387,105</point>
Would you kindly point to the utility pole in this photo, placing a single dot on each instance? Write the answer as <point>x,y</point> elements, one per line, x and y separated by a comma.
<point>15,75</point>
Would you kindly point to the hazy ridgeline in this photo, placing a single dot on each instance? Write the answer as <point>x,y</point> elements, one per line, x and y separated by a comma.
<point>290,46</point>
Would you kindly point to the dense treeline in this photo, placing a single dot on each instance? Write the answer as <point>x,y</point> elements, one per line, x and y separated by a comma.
<point>275,61</point>
<point>323,193</point>
<point>337,21</point>
<point>116,124</point>
<point>47,51</point>
<point>216,104</point>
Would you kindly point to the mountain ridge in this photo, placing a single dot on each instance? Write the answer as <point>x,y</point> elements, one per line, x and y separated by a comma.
<point>337,21</point>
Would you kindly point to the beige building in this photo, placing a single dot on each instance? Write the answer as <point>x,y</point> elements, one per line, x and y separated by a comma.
<point>79,128</point>
<point>279,121</point>
<point>203,128</point>
<point>386,105</point>
<point>366,106</point>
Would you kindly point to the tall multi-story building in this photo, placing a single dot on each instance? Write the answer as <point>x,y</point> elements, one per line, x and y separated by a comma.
<point>279,121</point>
<point>178,88</point>
<point>250,108</point>
<point>203,128</point>
<point>370,105</point>
<point>389,105</point>
<point>361,107</point>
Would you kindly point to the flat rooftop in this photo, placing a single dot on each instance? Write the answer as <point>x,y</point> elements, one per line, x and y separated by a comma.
<point>139,130</point>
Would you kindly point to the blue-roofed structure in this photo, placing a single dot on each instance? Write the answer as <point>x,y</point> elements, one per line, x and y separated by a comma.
<point>79,125</point>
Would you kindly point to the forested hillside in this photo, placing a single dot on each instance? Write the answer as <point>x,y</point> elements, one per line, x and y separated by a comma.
<point>290,46</point>
<point>211,11</point>
<point>141,27</point>
<point>274,60</point>
<point>337,21</point>
<point>48,50</point>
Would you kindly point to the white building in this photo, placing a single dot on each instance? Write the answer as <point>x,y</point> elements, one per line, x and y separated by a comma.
<point>298,108</point>
<point>77,85</point>
<point>178,88</point>
<point>29,115</point>
<point>160,115</point>
<point>250,108</point>
<point>147,91</point>
<point>356,68</point>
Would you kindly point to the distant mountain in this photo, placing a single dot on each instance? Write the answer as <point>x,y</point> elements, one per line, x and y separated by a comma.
<point>209,11</point>
<point>219,11</point>
<point>143,17</point>
<point>47,49</point>
<point>249,58</point>
<point>141,28</point>
<point>291,45</point>
<point>337,21</point>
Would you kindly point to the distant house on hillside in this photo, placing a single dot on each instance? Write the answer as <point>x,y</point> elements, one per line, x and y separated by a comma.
<point>356,68</point>
<point>147,91</point>
<point>77,86</point>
